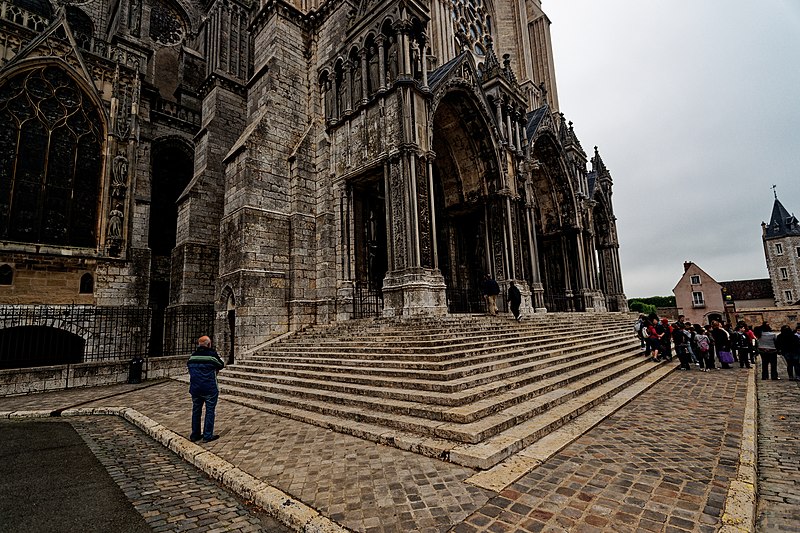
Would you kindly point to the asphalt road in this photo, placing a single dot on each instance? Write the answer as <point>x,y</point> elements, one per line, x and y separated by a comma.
<point>51,482</point>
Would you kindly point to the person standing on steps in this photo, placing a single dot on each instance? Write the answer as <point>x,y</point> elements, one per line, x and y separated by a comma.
<point>768,352</point>
<point>204,365</point>
<point>490,290</point>
<point>515,300</point>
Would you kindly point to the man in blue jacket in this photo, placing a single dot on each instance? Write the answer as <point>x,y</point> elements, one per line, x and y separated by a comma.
<point>204,365</point>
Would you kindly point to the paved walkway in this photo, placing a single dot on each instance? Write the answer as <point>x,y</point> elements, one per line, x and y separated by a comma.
<point>169,494</point>
<point>778,454</point>
<point>662,463</point>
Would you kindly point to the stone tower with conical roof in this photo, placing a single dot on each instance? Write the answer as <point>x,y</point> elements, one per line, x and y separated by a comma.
<point>781,238</point>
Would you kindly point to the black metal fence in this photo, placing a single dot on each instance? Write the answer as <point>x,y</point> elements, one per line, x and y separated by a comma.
<point>42,335</point>
<point>367,302</point>
<point>183,325</point>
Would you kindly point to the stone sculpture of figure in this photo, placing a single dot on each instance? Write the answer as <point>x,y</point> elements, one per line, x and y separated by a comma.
<point>391,62</point>
<point>120,171</point>
<point>356,77</point>
<point>330,112</point>
<point>416,67</point>
<point>115,222</point>
<point>374,82</point>
<point>340,96</point>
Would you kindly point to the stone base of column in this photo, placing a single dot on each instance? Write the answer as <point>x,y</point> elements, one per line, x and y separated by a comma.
<point>537,298</point>
<point>414,292</point>
<point>344,297</point>
<point>594,301</point>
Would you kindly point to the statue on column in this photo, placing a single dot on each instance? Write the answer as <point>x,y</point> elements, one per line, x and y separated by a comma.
<point>115,222</point>
<point>374,80</point>
<point>392,66</point>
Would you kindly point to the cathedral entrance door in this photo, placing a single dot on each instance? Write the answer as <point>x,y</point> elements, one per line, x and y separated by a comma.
<point>370,247</point>
<point>462,259</point>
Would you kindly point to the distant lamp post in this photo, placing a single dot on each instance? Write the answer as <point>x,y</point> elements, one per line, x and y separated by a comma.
<point>730,307</point>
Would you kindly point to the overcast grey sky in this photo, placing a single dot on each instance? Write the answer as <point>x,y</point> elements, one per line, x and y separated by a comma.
<point>695,106</point>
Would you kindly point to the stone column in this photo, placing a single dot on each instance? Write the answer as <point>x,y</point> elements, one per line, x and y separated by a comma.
<point>381,40</point>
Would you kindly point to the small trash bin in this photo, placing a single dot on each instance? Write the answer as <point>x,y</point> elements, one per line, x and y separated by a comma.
<point>135,370</point>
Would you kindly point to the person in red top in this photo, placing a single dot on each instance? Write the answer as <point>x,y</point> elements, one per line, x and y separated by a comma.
<point>653,340</point>
<point>752,338</point>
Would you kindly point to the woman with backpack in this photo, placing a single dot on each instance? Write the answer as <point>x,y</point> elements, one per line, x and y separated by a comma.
<point>704,352</point>
<point>681,339</point>
<point>722,342</point>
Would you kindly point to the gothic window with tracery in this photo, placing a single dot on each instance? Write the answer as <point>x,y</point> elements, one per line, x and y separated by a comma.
<point>51,142</point>
<point>166,24</point>
<point>472,22</point>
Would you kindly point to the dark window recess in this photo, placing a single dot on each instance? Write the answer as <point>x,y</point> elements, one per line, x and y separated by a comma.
<point>29,346</point>
<point>51,156</point>
<point>87,284</point>
<point>6,275</point>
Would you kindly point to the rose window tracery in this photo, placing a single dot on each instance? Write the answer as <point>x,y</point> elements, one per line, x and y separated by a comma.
<point>166,24</point>
<point>472,22</point>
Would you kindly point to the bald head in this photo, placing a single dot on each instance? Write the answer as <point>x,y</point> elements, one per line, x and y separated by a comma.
<point>204,341</point>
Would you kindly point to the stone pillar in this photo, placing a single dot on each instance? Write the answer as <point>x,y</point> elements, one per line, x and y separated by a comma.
<point>381,40</point>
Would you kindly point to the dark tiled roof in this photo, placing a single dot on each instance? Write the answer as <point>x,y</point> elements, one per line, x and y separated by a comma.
<point>591,178</point>
<point>749,289</point>
<point>534,119</point>
<point>441,73</point>
<point>781,223</point>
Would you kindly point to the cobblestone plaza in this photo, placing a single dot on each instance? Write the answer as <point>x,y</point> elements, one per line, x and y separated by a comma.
<point>664,462</point>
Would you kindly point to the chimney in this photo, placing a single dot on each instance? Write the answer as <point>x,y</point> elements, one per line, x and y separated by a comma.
<point>686,265</point>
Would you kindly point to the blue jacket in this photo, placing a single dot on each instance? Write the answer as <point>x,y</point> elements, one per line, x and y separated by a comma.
<point>203,365</point>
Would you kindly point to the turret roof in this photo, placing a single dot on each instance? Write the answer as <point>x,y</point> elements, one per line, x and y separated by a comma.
<point>781,223</point>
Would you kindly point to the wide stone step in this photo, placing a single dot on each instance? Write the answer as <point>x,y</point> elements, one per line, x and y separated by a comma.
<point>412,351</point>
<point>463,407</point>
<point>473,372</point>
<point>426,419</point>
<point>418,356</point>
<point>405,337</point>
<point>481,455</point>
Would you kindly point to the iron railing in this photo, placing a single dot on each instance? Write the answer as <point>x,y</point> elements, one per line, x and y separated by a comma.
<point>367,302</point>
<point>184,324</point>
<point>562,304</point>
<point>40,335</point>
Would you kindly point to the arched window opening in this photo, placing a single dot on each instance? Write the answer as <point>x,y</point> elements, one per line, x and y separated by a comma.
<point>87,284</point>
<point>29,346</point>
<point>51,160</point>
<point>6,275</point>
<point>81,26</point>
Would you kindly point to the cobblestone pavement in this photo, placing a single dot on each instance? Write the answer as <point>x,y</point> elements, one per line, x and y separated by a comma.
<point>170,494</point>
<point>662,463</point>
<point>778,454</point>
<point>359,484</point>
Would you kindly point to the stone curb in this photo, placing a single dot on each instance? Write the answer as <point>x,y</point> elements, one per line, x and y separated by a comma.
<point>739,515</point>
<point>290,512</point>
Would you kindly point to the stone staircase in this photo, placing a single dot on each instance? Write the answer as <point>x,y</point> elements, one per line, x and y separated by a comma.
<point>469,389</point>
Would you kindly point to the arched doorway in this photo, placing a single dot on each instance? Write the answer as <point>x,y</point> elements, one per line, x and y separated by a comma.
<point>465,174</point>
<point>554,216</point>
<point>369,244</point>
<point>172,164</point>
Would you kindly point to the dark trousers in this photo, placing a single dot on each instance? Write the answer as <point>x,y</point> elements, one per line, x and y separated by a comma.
<point>769,360</point>
<point>684,357</point>
<point>515,309</point>
<point>744,357</point>
<point>210,401</point>
<point>708,359</point>
<point>793,365</point>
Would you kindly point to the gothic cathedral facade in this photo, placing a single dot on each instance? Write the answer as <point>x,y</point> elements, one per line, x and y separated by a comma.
<point>294,162</point>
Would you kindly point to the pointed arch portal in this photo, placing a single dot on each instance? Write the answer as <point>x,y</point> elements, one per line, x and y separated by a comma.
<point>465,173</point>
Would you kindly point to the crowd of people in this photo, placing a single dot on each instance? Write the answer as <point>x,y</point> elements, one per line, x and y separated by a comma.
<point>706,346</point>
